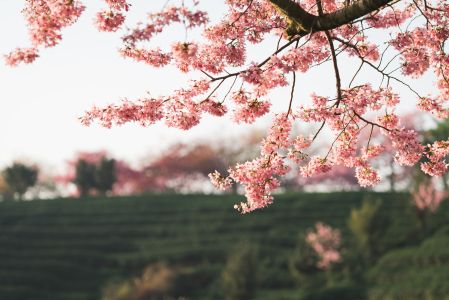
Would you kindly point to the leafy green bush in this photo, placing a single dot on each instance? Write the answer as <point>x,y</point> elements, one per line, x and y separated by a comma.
<point>368,225</point>
<point>239,277</point>
<point>419,272</point>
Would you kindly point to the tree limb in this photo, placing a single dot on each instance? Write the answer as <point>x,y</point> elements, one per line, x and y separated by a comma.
<point>302,22</point>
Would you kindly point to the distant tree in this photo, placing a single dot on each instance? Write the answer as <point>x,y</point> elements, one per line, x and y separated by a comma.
<point>104,175</point>
<point>239,277</point>
<point>84,177</point>
<point>185,167</point>
<point>96,172</point>
<point>339,178</point>
<point>426,199</point>
<point>19,178</point>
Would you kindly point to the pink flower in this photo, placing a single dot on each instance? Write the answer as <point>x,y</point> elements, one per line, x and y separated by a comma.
<point>326,242</point>
<point>366,176</point>
<point>409,150</point>
<point>184,54</point>
<point>316,165</point>
<point>109,20</point>
<point>259,178</point>
<point>301,143</point>
<point>431,168</point>
<point>220,182</point>
<point>214,108</point>
<point>155,58</point>
<point>250,111</point>
<point>27,56</point>
<point>278,135</point>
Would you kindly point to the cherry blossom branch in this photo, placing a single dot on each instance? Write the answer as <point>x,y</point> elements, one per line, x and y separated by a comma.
<point>369,122</point>
<point>319,130</point>
<point>337,72</point>
<point>382,72</point>
<point>261,64</point>
<point>291,94</point>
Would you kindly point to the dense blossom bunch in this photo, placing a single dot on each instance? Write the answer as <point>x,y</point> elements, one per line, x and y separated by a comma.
<point>19,55</point>
<point>260,178</point>
<point>304,34</point>
<point>427,198</point>
<point>109,20</point>
<point>436,164</point>
<point>219,181</point>
<point>112,18</point>
<point>326,242</point>
<point>45,19</point>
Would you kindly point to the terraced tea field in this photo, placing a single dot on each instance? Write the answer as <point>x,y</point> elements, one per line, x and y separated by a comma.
<point>68,249</point>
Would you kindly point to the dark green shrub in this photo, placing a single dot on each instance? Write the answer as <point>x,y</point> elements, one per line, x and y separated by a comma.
<point>368,226</point>
<point>239,277</point>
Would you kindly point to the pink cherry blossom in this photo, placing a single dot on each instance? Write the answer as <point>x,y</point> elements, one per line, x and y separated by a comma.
<point>109,20</point>
<point>26,56</point>
<point>326,242</point>
<point>220,182</point>
<point>366,176</point>
<point>316,165</point>
<point>226,77</point>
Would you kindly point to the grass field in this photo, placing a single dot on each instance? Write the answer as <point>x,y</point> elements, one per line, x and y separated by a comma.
<point>69,249</point>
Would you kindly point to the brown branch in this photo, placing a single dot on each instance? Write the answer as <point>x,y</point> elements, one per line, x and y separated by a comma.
<point>382,72</point>
<point>319,130</point>
<point>337,72</point>
<point>369,122</point>
<point>301,22</point>
<point>292,93</point>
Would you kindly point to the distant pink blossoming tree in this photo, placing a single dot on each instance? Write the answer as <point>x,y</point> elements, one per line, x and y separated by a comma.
<point>326,242</point>
<point>127,179</point>
<point>395,40</point>
<point>428,198</point>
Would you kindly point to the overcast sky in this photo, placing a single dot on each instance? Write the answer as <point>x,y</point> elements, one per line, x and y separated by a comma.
<point>41,102</point>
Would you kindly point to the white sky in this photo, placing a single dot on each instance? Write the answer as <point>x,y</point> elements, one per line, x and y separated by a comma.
<point>41,102</point>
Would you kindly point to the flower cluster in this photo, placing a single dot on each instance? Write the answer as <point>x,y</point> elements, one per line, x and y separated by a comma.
<point>247,108</point>
<point>436,154</point>
<point>45,20</point>
<point>326,242</point>
<point>111,19</point>
<point>220,182</point>
<point>27,55</point>
<point>260,178</point>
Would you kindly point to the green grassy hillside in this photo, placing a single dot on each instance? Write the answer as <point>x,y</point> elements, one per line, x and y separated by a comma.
<point>420,272</point>
<point>69,249</point>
